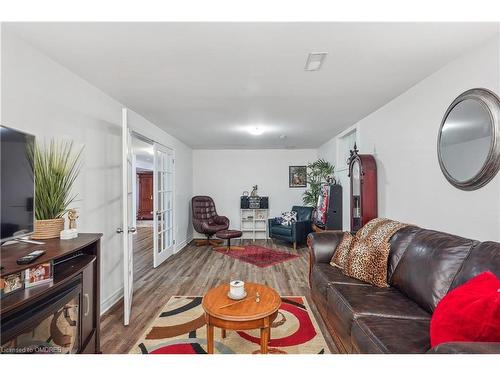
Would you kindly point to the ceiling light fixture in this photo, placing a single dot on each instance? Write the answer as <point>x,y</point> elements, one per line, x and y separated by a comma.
<point>255,130</point>
<point>315,61</point>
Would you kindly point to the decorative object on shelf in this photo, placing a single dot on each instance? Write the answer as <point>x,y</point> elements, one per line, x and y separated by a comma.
<point>72,216</point>
<point>11,283</point>
<point>39,274</point>
<point>363,174</point>
<point>328,213</point>
<point>55,167</point>
<point>297,176</point>
<point>245,194</point>
<point>468,144</point>
<point>318,173</point>
<point>254,202</point>
<point>254,191</point>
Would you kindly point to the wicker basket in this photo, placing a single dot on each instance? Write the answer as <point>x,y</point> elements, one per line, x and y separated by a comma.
<point>45,229</point>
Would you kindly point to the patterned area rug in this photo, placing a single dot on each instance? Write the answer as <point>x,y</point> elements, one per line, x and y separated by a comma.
<point>258,255</point>
<point>180,329</point>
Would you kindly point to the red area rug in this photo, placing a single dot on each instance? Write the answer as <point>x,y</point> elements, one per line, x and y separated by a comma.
<point>258,255</point>
<point>180,329</point>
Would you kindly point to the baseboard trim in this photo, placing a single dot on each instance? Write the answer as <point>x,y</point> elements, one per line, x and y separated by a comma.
<point>112,300</point>
<point>182,245</point>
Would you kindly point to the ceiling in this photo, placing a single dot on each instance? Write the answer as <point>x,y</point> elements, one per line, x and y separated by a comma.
<point>206,83</point>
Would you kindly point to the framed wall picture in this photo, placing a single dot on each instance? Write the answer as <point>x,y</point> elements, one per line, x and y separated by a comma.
<point>297,176</point>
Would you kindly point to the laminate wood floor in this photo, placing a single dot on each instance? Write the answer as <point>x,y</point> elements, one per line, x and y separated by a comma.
<point>192,272</point>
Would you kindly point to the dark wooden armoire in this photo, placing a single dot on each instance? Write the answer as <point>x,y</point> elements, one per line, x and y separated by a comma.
<point>145,196</point>
<point>363,175</point>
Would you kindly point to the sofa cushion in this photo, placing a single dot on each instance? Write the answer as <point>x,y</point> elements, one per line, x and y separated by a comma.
<point>323,275</point>
<point>483,257</point>
<point>429,265</point>
<point>399,243</point>
<point>282,230</point>
<point>374,334</point>
<point>345,302</point>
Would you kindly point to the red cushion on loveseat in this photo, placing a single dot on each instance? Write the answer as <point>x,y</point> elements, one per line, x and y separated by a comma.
<point>470,312</point>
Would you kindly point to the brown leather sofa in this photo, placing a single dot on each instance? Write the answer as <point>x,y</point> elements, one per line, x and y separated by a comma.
<point>423,266</point>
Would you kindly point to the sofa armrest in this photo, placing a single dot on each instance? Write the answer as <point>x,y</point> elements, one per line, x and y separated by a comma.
<point>466,348</point>
<point>322,245</point>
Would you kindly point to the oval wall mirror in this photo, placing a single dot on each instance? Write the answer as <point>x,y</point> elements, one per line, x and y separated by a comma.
<point>469,139</point>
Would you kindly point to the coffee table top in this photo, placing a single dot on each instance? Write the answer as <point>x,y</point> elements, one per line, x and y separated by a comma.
<point>245,310</point>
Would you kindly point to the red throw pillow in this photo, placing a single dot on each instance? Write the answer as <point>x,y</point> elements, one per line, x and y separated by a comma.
<point>470,312</point>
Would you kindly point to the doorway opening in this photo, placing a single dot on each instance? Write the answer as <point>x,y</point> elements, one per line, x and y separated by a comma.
<point>143,206</point>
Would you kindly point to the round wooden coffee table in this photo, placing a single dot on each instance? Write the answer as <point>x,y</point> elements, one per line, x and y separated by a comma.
<point>223,312</point>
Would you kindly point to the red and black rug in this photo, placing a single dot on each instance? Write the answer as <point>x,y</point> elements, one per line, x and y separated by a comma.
<point>180,329</point>
<point>258,255</point>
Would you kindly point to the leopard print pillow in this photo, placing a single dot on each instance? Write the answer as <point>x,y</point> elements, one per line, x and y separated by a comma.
<point>368,262</point>
<point>340,256</point>
<point>367,229</point>
<point>384,231</point>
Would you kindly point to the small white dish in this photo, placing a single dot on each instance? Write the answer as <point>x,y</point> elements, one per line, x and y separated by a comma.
<point>237,298</point>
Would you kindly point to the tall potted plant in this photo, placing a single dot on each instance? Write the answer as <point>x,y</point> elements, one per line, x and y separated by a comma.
<point>318,173</point>
<point>55,168</point>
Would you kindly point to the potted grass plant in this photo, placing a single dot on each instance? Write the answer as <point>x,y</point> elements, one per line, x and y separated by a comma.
<point>55,168</point>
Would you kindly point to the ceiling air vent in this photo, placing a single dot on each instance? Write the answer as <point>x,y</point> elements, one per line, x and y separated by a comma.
<point>315,61</point>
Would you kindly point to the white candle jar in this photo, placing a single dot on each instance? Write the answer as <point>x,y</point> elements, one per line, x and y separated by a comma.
<point>237,289</point>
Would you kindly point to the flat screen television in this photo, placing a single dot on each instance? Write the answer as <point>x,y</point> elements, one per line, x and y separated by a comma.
<point>17,184</point>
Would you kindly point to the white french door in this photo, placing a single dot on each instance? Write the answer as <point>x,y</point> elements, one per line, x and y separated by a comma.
<point>163,218</point>
<point>127,229</point>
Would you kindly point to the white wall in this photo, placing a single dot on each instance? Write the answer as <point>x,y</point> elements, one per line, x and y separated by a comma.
<point>41,97</point>
<point>225,174</point>
<point>403,134</point>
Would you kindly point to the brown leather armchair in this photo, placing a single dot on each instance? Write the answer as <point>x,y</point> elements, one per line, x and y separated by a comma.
<point>206,220</point>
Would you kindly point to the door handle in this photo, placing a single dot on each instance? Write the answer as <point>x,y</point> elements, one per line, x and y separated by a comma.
<point>119,230</point>
<point>87,301</point>
<point>132,229</point>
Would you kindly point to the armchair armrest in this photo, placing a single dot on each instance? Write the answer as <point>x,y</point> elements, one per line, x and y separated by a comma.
<point>271,222</point>
<point>300,230</point>
<point>221,220</point>
<point>466,348</point>
<point>322,245</point>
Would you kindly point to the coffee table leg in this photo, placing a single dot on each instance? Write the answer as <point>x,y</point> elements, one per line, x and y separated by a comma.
<point>264,340</point>
<point>210,338</point>
<point>223,333</point>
